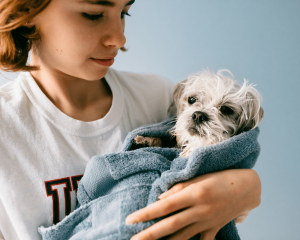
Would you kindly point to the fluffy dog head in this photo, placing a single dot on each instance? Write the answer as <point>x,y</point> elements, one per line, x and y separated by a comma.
<point>213,107</point>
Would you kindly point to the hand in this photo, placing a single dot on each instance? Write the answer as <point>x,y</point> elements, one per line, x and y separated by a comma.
<point>203,205</point>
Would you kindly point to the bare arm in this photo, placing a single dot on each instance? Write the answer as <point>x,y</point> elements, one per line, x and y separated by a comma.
<point>209,202</point>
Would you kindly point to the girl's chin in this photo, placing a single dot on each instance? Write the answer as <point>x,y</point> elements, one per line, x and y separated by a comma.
<point>89,72</point>
<point>96,75</point>
<point>86,70</point>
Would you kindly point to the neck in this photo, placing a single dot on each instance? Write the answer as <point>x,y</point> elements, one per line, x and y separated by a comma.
<point>78,98</point>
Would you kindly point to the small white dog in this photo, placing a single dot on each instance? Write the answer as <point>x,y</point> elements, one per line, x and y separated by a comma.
<point>210,108</point>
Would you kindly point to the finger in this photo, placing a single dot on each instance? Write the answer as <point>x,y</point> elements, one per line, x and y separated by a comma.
<point>208,235</point>
<point>168,225</point>
<point>186,233</point>
<point>180,186</point>
<point>176,188</point>
<point>161,208</point>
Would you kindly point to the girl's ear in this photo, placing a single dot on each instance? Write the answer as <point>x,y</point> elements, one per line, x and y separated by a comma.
<point>177,93</point>
<point>29,24</point>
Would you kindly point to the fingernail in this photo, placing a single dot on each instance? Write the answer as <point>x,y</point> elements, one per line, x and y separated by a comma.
<point>130,220</point>
<point>163,195</point>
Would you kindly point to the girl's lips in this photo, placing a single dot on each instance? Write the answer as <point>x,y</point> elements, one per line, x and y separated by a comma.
<point>105,62</point>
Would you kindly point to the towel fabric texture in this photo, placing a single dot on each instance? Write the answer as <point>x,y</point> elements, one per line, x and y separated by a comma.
<point>116,185</point>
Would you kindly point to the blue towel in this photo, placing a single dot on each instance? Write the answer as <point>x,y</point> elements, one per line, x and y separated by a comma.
<point>116,185</point>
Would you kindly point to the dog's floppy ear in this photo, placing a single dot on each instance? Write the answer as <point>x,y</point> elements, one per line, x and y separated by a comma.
<point>252,112</point>
<point>177,93</point>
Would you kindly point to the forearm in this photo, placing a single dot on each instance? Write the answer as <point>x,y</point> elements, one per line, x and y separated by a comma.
<point>231,193</point>
<point>242,186</point>
<point>249,188</point>
<point>208,203</point>
<point>246,185</point>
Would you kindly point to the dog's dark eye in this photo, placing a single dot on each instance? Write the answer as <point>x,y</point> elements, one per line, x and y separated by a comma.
<point>192,100</point>
<point>226,110</point>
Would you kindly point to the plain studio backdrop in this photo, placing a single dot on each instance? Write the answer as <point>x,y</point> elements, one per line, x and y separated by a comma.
<point>255,39</point>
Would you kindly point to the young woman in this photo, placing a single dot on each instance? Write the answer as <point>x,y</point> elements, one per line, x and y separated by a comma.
<point>68,105</point>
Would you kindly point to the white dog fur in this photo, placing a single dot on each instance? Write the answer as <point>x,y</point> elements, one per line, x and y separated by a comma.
<point>222,109</point>
<point>210,108</point>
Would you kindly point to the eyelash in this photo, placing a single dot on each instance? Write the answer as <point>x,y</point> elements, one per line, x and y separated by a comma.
<point>123,14</point>
<point>97,17</point>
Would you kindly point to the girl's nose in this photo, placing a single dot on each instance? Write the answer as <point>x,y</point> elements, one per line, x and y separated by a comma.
<point>114,37</point>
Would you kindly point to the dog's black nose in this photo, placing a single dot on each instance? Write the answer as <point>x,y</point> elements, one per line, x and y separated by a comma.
<point>199,117</point>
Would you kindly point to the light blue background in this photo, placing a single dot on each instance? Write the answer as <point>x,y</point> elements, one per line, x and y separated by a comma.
<point>255,39</point>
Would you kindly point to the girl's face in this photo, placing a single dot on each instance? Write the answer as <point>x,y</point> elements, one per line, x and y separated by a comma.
<point>75,33</point>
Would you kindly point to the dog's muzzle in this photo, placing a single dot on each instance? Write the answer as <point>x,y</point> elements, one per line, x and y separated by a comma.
<point>199,117</point>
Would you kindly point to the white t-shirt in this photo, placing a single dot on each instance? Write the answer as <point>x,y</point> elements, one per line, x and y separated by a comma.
<point>44,152</point>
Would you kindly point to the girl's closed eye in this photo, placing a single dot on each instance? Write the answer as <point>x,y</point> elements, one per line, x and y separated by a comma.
<point>94,17</point>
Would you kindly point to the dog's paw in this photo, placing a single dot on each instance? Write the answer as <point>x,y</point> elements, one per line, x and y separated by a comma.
<point>139,140</point>
<point>148,141</point>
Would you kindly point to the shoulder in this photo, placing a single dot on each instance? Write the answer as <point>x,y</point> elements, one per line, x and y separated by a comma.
<point>147,94</point>
<point>11,93</point>
<point>144,82</point>
<point>13,101</point>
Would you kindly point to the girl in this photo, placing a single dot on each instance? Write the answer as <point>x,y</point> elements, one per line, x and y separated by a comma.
<point>67,105</point>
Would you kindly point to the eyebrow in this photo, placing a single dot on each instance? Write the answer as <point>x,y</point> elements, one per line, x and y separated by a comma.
<point>105,3</point>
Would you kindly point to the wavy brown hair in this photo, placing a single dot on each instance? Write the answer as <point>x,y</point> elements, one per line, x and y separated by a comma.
<point>15,38</point>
